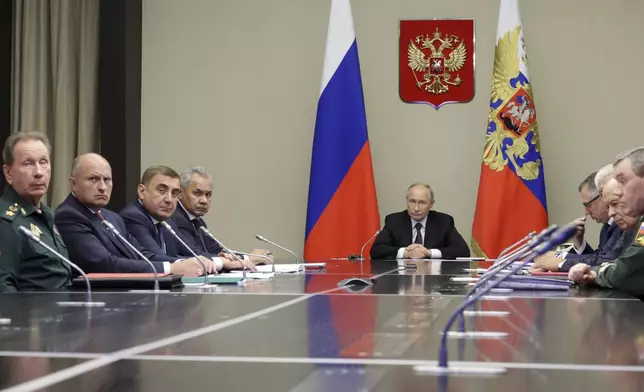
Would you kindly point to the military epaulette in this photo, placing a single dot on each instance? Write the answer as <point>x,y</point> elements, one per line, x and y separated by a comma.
<point>639,237</point>
<point>11,211</point>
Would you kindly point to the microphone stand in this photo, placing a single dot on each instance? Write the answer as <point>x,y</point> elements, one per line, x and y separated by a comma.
<point>272,263</point>
<point>501,264</point>
<point>167,226</point>
<point>264,239</point>
<point>205,230</point>
<point>556,238</point>
<point>113,229</point>
<point>89,302</point>
<point>366,243</point>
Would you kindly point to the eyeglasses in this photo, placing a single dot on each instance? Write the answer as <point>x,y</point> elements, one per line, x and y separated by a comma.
<point>589,202</point>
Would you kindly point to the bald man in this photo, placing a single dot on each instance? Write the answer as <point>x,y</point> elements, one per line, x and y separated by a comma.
<point>90,244</point>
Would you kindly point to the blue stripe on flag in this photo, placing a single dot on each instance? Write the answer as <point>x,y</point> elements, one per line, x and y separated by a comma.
<point>340,134</point>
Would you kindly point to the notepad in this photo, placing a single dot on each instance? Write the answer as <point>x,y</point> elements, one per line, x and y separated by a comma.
<point>250,275</point>
<point>281,268</point>
<point>212,279</point>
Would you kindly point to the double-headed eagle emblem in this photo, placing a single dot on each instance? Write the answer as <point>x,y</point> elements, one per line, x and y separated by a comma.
<point>435,70</point>
<point>512,136</point>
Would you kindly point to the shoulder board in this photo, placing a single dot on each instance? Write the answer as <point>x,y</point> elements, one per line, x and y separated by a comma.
<point>9,211</point>
<point>9,215</point>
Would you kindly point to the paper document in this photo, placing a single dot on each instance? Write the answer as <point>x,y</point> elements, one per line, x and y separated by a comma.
<point>281,268</point>
<point>250,275</point>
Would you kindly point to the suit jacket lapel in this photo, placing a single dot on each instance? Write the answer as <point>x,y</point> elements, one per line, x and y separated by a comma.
<point>112,237</point>
<point>148,219</point>
<point>406,229</point>
<point>430,233</point>
<point>185,216</point>
<point>100,228</point>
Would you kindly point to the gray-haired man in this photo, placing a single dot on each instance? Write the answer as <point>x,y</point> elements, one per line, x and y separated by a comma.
<point>626,273</point>
<point>194,203</point>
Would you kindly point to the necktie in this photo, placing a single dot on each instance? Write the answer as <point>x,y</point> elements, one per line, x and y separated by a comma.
<point>419,235</point>
<point>198,222</point>
<point>160,230</point>
<point>101,218</point>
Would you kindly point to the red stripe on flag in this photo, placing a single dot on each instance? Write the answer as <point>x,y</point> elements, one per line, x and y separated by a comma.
<point>506,210</point>
<point>350,218</point>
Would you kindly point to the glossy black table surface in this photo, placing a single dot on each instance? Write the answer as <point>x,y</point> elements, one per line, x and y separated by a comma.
<point>302,332</point>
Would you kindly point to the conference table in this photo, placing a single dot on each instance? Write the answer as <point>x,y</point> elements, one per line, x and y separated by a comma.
<point>305,332</point>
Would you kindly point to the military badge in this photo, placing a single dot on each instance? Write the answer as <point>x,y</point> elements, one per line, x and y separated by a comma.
<point>13,208</point>
<point>639,238</point>
<point>436,61</point>
<point>35,229</point>
<point>9,213</point>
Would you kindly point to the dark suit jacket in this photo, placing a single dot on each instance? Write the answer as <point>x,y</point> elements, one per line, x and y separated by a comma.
<point>440,233</point>
<point>93,247</point>
<point>611,244</point>
<point>194,237</point>
<point>139,223</point>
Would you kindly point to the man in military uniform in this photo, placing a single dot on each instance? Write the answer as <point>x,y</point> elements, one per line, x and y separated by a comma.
<point>24,264</point>
<point>626,273</point>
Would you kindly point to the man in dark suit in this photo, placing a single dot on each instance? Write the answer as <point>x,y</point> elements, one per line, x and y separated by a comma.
<point>92,245</point>
<point>194,203</point>
<point>610,237</point>
<point>158,194</point>
<point>419,232</point>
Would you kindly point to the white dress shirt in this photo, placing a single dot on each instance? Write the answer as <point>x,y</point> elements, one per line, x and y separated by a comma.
<point>434,253</point>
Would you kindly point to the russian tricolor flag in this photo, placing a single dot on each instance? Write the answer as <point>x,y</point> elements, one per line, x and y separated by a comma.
<point>342,211</point>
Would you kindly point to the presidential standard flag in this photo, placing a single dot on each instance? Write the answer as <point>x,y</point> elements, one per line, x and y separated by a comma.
<point>512,195</point>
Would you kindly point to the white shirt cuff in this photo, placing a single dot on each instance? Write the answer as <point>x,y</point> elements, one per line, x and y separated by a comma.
<point>435,254</point>
<point>561,255</point>
<point>219,263</point>
<point>401,253</point>
<point>581,248</point>
<point>245,257</point>
<point>166,267</point>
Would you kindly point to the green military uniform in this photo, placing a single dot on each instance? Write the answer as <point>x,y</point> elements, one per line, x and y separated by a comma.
<point>25,264</point>
<point>626,273</point>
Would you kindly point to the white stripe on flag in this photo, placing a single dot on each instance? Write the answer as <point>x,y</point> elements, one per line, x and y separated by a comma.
<point>339,39</point>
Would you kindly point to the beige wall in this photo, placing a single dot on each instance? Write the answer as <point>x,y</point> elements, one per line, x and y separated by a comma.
<point>233,85</point>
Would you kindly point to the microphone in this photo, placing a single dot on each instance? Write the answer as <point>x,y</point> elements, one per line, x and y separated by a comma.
<point>540,246</point>
<point>368,241</point>
<point>263,239</point>
<point>262,256</point>
<point>527,237</point>
<point>504,262</point>
<point>113,229</point>
<point>205,230</point>
<point>192,252</point>
<point>36,239</point>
